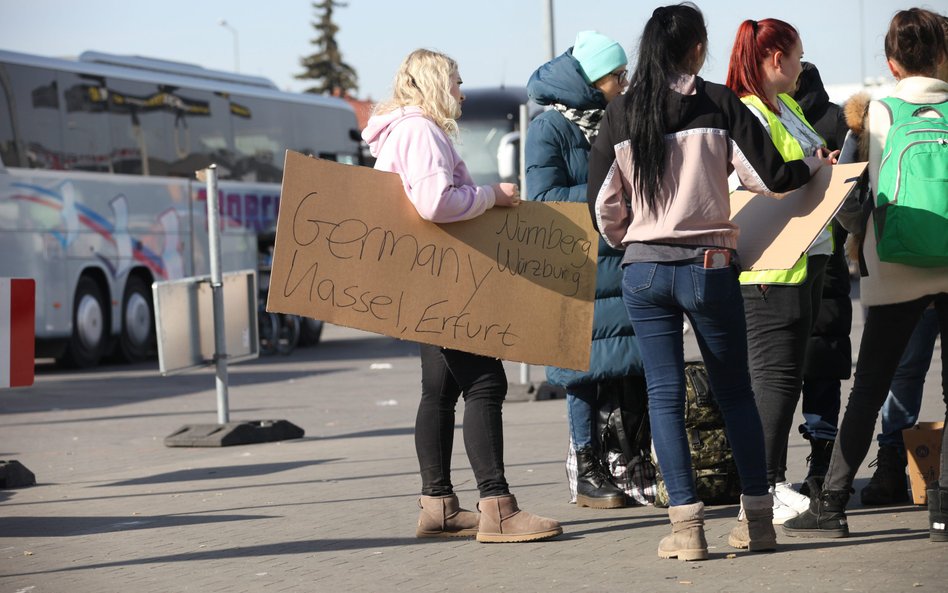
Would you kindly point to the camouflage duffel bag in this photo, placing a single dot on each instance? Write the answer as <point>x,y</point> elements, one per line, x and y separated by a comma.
<point>716,478</point>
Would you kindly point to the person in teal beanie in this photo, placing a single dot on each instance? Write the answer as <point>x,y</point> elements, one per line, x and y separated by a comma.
<point>578,85</point>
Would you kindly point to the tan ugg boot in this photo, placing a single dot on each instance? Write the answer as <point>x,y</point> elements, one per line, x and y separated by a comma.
<point>755,531</point>
<point>442,516</point>
<point>502,521</point>
<point>687,541</point>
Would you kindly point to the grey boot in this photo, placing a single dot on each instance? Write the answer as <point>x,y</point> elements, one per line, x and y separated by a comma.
<point>687,541</point>
<point>755,531</point>
<point>442,516</point>
<point>502,521</point>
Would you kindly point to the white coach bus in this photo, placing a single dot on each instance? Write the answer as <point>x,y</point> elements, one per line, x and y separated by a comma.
<point>97,191</point>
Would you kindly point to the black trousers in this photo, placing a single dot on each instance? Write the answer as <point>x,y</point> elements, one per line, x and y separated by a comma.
<point>779,323</point>
<point>445,375</point>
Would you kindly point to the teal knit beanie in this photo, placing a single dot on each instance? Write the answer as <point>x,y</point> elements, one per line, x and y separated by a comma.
<point>597,55</point>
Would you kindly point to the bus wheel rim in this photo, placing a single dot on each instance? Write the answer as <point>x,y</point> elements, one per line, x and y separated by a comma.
<point>137,319</point>
<point>89,322</point>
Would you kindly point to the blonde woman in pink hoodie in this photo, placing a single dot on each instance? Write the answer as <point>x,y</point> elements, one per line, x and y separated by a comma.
<point>411,134</point>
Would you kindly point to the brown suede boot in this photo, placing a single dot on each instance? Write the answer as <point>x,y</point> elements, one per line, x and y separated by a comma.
<point>687,541</point>
<point>503,521</point>
<point>755,530</point>
<point>442,516</point>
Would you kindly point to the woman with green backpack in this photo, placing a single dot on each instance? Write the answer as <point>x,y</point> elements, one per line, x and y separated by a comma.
<point>897,289</point>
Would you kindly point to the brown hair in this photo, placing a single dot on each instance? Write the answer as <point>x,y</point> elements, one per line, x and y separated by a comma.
<point>916,40</point>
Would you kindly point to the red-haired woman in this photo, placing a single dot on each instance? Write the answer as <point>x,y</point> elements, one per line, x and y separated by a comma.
<point>780,305</point>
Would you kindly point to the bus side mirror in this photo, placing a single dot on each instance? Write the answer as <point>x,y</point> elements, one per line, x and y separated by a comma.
<point>508,157</point>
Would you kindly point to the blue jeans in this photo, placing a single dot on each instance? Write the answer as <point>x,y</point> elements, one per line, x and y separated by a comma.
<point>904,401</point>
<point>821,399</point>
<point>657,296</point>
<point>581,411</point>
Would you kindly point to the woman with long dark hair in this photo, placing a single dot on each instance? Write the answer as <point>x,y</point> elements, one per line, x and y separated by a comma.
<point>658,188</point>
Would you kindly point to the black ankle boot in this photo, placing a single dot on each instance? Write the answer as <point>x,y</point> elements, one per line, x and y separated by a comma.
<point>888,484</point>
<point>938,514</point>
<point>594,487</point>
<point>819,459</point>
<point>826,516</point>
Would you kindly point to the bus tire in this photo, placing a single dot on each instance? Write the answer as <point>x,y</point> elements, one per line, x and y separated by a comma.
<point>311,331</point>
<point>89,336</point>
<point>137,340</point>
<point>268,328</point>
<point>289,333</point>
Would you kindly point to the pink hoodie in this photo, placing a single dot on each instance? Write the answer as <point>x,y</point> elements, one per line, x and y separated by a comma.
<point>436,180</point>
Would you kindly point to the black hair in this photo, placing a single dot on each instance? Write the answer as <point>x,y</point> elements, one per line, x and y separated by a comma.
<point>665,49</point>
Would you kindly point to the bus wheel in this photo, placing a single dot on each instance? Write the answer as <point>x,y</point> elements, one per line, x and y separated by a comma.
<point>137,341</point>
<point>311,330</point>
<point>268,327</point>
<point>289,333</point>
<point>88,340</point>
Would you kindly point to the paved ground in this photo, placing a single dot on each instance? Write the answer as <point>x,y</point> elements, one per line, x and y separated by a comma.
<point>116,510</point>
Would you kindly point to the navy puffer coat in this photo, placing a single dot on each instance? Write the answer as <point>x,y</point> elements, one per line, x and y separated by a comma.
<point>557,156</point>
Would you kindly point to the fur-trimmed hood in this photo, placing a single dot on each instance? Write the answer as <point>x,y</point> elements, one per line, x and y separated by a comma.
<point>856,111</point>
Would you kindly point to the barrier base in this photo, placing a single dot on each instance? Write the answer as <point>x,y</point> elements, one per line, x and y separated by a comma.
<point>14,474</point>
<point>526,392</point>
<point>233,433</point>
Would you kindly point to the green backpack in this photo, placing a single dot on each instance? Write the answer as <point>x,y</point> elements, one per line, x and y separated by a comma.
<point>911,208</point>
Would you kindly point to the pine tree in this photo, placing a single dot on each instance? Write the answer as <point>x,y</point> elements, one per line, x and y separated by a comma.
<point>334,76</point>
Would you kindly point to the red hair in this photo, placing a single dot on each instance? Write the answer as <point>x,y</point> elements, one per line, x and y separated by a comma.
<point>755,42</point>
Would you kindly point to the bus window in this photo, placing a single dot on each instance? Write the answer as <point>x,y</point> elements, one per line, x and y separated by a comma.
<point>478,145</point>
<point>9,155</point>
<point>34,103</point>
<point>86,143</point>
<point>140,128</point>
<point>314,127</point>
<point>260,136</point>
<point>202,133</point>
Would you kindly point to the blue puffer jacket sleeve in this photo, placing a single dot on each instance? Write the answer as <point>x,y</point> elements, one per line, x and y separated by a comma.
<point>549,176</point>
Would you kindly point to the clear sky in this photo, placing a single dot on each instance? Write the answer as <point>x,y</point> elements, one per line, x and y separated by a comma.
<point>494,41</point>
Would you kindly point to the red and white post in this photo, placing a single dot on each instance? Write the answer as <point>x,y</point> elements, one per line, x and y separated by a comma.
<point>17,324</point>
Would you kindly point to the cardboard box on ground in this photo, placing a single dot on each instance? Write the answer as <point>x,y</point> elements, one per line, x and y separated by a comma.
<point>923,446</point>
<point>515,283</point>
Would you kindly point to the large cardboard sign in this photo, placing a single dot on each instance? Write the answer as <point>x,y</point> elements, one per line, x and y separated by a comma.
<point>775,232</point>
<point>515,283</point>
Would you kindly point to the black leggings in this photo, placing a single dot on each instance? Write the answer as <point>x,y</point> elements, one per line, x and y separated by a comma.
<point>885,335</point>
<point>445,375</point>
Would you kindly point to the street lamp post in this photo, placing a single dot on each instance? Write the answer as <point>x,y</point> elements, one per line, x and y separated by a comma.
<point>230,28</point>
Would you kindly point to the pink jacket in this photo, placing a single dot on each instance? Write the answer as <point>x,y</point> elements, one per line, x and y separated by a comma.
<point>436,180</point>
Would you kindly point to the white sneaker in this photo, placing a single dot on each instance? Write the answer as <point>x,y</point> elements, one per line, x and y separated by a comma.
<point>781,512</point>
<point>791,498</point>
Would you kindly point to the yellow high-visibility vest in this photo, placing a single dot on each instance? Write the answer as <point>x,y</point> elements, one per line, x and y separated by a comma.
<point>790,149</point>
